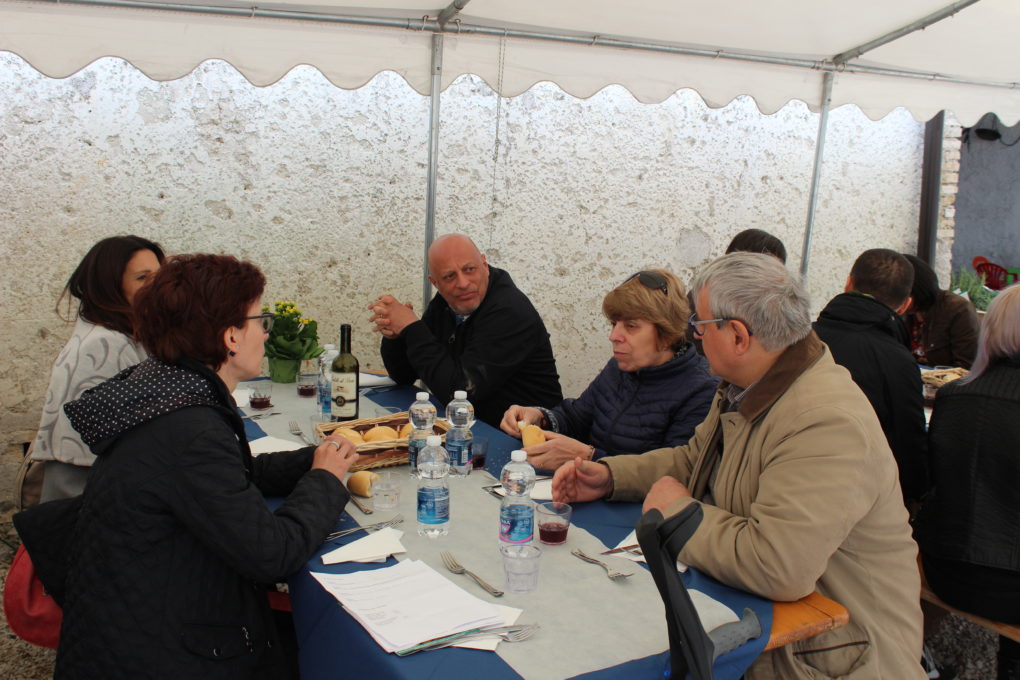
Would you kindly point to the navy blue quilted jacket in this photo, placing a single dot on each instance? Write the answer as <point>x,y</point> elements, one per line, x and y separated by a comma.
<point>633,412</point>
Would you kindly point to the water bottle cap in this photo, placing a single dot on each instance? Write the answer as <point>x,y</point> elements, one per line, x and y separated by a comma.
<point>460,394</point>
<point>422,396</point>
<point>434,440</point>
<point>518,456</point>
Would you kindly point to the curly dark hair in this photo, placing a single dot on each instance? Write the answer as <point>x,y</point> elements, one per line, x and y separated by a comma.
<point>97,282</point>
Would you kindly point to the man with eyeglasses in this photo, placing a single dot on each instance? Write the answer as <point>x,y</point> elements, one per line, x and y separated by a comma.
<point>797,486</point>
<point>480,333</point>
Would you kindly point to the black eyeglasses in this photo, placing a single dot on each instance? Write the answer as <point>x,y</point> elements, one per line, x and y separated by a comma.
<point>698,332</point>
<point>651,280</point>
<point>267,319</point>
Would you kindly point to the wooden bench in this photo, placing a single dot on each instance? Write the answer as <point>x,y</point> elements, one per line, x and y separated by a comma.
<point>807,617</point>
<point>1004,629</point>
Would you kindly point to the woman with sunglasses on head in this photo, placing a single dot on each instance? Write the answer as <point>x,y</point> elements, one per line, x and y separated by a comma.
<point>173,539</point>
<point>653,392</point>
<point>104,284</point>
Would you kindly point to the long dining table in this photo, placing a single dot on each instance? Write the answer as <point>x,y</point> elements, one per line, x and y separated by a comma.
<point>591,627</point>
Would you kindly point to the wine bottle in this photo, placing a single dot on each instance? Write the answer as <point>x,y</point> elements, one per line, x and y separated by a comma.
<point>344,383</point>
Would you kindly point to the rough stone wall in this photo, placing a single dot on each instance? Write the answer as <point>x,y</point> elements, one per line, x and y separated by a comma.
<point>325,190</point>
<point>946,231</point>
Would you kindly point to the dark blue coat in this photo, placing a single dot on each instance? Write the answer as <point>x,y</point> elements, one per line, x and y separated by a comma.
<point>632,412</point>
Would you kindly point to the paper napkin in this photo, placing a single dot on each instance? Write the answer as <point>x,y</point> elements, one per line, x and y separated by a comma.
<point>489,643</point>
<point>375,547</point>
<point>542,491</point>
<point>271,444</point>
<point>631,539</point>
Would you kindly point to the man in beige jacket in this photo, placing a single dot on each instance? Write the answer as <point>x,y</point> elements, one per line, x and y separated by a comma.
<point>798,485</point>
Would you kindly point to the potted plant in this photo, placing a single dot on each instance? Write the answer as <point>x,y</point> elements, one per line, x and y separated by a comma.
<point>972,285</point>
<point>293,340</point>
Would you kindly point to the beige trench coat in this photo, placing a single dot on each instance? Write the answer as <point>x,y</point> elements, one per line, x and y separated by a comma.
<point>806,497</point>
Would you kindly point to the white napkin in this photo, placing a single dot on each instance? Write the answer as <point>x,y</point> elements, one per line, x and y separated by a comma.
<point>490,642</point>
<point>373,380</point>
<point>631,539</point>
<point>271,444</point>
<point>375,547</point>
<point>542,491</point>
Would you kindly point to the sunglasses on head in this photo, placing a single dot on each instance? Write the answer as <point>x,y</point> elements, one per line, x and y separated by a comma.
<point>652,280</point>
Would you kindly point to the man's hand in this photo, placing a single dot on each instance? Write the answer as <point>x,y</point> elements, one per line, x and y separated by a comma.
<point>581,480</point>
<point>391,316</point>
<point>556,450</point>
<point>531,416</point>
<point>664,493</point>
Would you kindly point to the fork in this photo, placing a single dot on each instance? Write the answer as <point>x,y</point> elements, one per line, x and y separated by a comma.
<point>451,563</point>
<point>296,430</point>
<point>378,525</point>
<point>613,574</point>
<point>259,416</point>
<point>517,633</point>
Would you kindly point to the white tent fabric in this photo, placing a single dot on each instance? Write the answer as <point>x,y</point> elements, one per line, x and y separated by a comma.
<point>800,38</point>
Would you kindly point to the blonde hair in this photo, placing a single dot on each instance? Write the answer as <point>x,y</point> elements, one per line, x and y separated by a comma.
<point>1000,332</point>
<point>668,311</point>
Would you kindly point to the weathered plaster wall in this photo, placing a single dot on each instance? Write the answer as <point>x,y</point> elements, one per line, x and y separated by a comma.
<point>325,190</point>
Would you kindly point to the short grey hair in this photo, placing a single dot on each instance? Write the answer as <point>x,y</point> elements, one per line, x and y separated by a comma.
<point>758,290</point>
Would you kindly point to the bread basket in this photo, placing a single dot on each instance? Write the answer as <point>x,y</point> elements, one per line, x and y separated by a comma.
<point>385,452</point>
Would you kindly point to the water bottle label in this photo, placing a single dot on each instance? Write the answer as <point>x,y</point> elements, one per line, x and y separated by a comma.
<point>433,505</point>
<point>459,451</point>
<point>516,523</point>
<point>414,447</point>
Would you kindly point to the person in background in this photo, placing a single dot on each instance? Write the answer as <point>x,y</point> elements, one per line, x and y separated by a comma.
<point>172,540</point>
<point>795,481</point>
<point>480,333</point>
<point>865,334</point>
<point>104,283</point>
<point>969,528</point>
<point>653,392</point>
<point>757,241</point>
<point>943,326</point>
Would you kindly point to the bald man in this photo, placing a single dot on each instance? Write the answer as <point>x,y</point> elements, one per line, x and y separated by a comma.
<point>480,333</point>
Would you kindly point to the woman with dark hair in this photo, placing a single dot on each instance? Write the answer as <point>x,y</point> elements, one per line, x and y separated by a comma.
<point>969,529</point>
<point>173,539</point>
<point>104,284</point>
<point>943,326</point>
<point>653,392</point>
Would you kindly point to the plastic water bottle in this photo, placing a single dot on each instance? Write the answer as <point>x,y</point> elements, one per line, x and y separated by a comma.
<point>422,415</point>
<point>517,512</point>
<point>434,489</point>
<point>325,362</point>
<point>460,411</point>
<point>459,447</point>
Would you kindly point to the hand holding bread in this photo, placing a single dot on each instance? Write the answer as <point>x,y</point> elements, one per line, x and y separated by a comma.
<point>517,414</point>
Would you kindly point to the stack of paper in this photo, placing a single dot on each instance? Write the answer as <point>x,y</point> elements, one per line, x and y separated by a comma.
<point>375,547</point>
<point>408,603</point>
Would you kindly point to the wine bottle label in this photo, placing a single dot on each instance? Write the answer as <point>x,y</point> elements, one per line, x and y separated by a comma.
<point>344,395</point>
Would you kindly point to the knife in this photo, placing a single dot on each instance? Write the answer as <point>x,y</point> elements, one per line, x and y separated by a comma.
<point>624,548</point>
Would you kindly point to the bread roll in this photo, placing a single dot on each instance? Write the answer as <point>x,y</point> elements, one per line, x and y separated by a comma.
<point>531,434</point>
<point>405,430</point>
<point>353,436</point>
<point>380,433</point>
<point>360,483</point>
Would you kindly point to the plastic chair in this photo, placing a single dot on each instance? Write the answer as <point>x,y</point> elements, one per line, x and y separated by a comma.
<point>691,649</point>
<point>996,276</point>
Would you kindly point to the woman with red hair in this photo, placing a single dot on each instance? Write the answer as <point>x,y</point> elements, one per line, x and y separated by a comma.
<point>173,540</point>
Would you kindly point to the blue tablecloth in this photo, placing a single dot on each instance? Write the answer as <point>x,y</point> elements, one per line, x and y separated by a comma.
<point>333,645</point>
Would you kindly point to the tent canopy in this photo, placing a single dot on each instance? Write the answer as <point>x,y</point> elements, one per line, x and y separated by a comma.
<point>773,51</point>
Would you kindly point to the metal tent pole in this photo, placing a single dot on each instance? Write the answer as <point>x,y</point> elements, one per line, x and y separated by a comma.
<point>435,94</point>
<point>823,121</point>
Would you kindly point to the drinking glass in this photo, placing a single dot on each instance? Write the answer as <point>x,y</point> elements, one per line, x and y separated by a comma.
<point>553,521</point>
<point>520,563</point>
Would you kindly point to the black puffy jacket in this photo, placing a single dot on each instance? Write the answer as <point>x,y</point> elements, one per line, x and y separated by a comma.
<point>174,541</point>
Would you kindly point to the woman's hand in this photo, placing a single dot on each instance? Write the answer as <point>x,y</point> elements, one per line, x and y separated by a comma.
<point>556,450</point>
<point>335,455</point>
<point>514,414</point>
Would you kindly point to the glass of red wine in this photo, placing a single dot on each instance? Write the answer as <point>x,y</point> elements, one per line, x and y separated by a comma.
<point>553,521</point>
